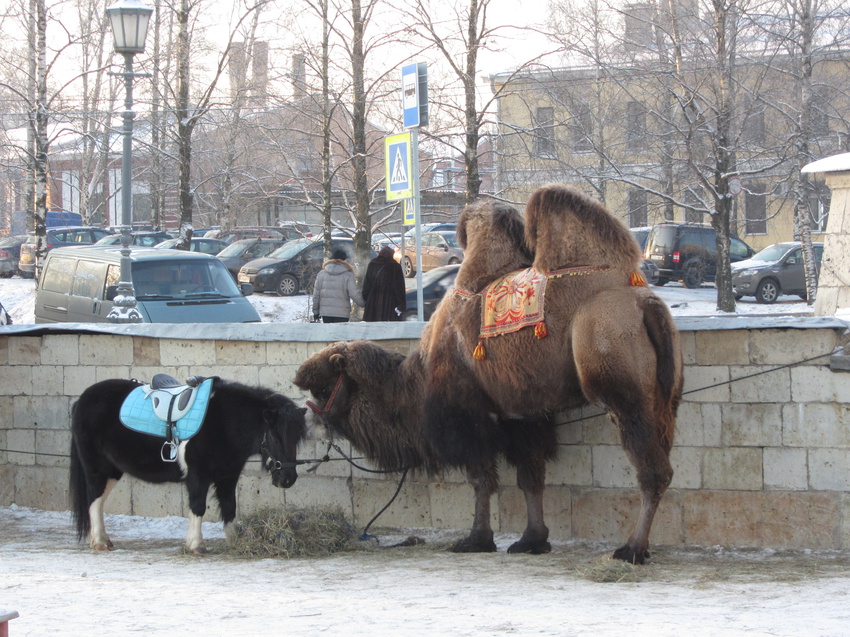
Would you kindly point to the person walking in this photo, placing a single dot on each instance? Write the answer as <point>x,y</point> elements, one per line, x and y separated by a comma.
<point>335,289</point>
<point>383,288</point>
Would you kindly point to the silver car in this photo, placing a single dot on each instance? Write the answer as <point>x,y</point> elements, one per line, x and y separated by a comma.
<point>776,270</point>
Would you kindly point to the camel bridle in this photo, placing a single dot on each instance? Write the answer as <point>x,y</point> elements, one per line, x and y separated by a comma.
<point>329,403</point>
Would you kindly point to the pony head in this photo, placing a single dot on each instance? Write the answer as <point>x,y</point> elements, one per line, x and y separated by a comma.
<point>285,428</point>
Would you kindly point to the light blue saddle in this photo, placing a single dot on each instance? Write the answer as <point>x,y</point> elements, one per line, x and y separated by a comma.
<point>166,409</point>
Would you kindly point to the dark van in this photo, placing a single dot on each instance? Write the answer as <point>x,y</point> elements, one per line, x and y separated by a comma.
<point>688,252</point>
<point>78,285</point>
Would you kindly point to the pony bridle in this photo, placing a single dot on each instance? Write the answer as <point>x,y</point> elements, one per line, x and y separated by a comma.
<point>327,408</point>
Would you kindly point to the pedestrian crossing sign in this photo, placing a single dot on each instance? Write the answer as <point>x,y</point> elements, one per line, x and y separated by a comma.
<point>399,165</point>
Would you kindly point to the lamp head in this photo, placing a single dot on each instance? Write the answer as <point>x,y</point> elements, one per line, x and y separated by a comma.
<point>129,20</point>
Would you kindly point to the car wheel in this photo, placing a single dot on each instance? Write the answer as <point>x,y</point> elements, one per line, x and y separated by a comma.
<point>693,275</point>
<point>287,285</point>
<point>767,291</point>
<point>407,266</point>
<point>661,281</point>
<point>738,297</point>
<point>27,275</point>
<point>453,261</point>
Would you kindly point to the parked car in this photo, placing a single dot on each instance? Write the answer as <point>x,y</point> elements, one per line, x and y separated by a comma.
<point>688,252</point>
<point>196,244</point>
<point>439,227</point>
<point>55,238</point>
<point>286,231</point>
<point>143,238</point>
<point>774,271</point>
<point>10,254</point>
<point>435,284</point>
<point>648,268</point>
<point>438,248</point>
<point>292,267</point>
<point>240,252</point>
<point>381,239</point>
<point>78,285</point>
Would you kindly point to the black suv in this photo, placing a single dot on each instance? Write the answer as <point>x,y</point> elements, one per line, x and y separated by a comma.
<point>688,252</point>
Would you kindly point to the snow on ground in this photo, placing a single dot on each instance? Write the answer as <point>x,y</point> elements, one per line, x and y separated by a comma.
<point>148,586</point>
<point>18,297</point>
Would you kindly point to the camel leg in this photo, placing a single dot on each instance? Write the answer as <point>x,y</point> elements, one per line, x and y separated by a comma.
<point>485,482</point>
<point>98,539</point>
<point>651,458</point>
<point>531,477</point>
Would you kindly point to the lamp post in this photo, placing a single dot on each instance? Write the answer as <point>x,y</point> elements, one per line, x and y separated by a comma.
<point>129,20</point>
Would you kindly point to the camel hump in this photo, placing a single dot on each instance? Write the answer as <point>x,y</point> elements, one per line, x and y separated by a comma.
<point>565,228</point>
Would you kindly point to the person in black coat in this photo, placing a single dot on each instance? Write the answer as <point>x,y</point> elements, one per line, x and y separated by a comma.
<point>383,288</point>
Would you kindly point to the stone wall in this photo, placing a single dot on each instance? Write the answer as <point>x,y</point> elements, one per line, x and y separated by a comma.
<point>762,453</point>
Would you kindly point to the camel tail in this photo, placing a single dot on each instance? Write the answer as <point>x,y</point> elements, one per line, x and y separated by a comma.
<point>665,339</point>
<point>78,489</point>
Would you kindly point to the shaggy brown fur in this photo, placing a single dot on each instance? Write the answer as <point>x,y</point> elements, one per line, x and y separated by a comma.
<point>609,344</point>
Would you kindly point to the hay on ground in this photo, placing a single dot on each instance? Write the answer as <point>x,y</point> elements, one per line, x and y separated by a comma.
<point>311,532</point>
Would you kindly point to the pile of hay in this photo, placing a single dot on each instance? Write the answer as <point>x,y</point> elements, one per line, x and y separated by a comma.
<point>311,532</point>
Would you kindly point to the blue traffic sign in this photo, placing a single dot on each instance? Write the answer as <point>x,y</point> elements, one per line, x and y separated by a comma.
<point>399,166</point>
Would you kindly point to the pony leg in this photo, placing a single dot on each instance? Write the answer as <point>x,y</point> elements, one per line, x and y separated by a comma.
<point>485,482</point>
<point>225,491</point>
<point>98,539</point>
<point>198,490</point>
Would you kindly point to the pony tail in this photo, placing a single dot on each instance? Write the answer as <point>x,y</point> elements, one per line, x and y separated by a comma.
<point>78,493</point>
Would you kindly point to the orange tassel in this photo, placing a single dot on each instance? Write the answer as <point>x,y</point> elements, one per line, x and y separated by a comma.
<point>479,354</point>
<point>540,330</point>
<point>637,279</point>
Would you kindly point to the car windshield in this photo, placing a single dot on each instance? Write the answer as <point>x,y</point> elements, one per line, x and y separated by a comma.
<point>450,237</point>
<point>290,249</point>
<point>770,253</point>
<point>236,248</point>
<point>201,278</point>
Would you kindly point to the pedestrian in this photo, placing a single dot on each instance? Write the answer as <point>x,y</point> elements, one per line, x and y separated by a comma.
<point>335,289</point>
<point>383,288</point>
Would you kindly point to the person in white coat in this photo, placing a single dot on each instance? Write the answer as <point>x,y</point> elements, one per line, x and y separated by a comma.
<point>335,289</point>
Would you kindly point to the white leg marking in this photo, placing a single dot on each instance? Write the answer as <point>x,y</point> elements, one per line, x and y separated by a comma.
<point>194,539</point>
<point>98,539</point>
<point>181,458</point>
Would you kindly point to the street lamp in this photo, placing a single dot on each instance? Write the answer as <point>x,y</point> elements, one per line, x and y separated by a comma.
<point>129,20</point>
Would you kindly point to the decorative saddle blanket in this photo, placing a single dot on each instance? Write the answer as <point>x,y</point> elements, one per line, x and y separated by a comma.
<point>170,411</point>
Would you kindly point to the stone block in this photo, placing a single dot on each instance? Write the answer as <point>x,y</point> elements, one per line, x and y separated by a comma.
<point>290,352</point>
<point>611,515</point>
<point>42,412</point>
<point>52,447</point>
<point>598,428</point>
<point>750,385</point>
<point>725,518</point>
<point>756,425</point>
<point>108,372</point>
<point>25,350</point>
<point>815,425</point>
<point>77,379</point>
<point>120,500</point>
<point>320,491</point>
<point>7,485</point>
<point>246,374</point>
<point>60,349</point>
<point>157,500</point>
<point>573,466</point>
<point>811,384</point>
<point>698,424</point>
<point>453,506</point>
<point>42,488</point>
<point>410,508</point>
<point>688,343</point>
<point>256,492</point>
<point>611,468</point>
<point>336,467</point>
<point>4,350</point>
<point>707,384</point>
<point>786,469</point>
<point>240,353</point>
<point>687,467</point>
<point>779,346</point>
<point>733,469</point>
<point>21,446</point>
<point>48,380</point>
<point>722,347</point>
<point>513,517</point>
<point>844,527</point>
<point>146,352</point>
<point>16,380</point>
<point>105,349</point>
<point>829,469</point>
<point>791,520</point>
<point>512,510</point>
<point>568,430</point>
<point>191,353</point>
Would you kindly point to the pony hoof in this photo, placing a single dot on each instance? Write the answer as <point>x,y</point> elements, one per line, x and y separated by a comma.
<point>534,548</point>
<point>469,545</point>
<point>100,546</point>
<point>630,555</point>
<point>200,550</point>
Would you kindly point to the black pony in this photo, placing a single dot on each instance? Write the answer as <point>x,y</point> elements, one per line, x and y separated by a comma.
<point>240,421</point>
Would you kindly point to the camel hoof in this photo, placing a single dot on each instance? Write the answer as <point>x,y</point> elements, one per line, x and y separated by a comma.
<point>630,555</point>
<point>471,545</point>
<point>538,547</point>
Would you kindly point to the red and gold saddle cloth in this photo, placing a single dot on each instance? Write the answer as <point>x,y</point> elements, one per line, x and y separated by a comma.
<point>513,302</point>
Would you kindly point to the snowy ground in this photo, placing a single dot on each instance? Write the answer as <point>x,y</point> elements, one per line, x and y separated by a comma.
<point>148,586</point>
<point>18,296</point>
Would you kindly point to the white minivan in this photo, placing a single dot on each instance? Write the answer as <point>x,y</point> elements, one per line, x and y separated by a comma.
<point>77,285</point>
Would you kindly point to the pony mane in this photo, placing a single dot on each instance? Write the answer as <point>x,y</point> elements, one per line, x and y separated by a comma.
<point>565,227</point>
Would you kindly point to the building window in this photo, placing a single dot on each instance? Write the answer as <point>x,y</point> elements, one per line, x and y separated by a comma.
<point>581,130</point>
<point>754,131</point>
<point>544,132</point>
<point>635,125</point>
<point>638,210</point>
<point>755,210</point>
